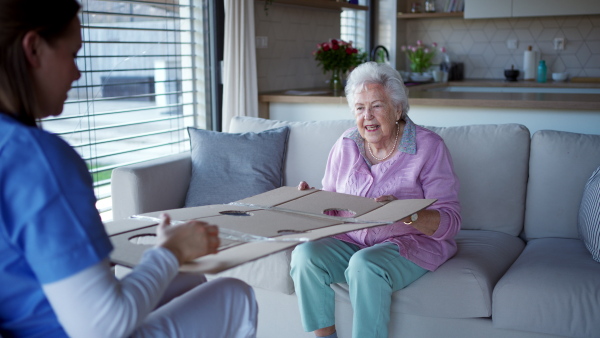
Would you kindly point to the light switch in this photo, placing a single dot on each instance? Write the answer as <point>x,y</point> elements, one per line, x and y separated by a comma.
<point>559,43</point>
<point>512,44</point>
<point>262,41</point>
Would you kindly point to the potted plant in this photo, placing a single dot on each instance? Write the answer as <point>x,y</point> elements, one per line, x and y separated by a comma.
<point>420,57</point>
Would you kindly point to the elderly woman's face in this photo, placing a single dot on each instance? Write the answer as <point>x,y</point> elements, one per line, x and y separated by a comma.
<point>375,115</point>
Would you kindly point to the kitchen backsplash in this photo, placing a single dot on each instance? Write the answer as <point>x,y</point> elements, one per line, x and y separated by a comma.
<point>482,43</point>
<point>292,35</point>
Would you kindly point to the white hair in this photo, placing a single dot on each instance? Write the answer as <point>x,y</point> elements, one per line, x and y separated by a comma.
<point>382,74</point>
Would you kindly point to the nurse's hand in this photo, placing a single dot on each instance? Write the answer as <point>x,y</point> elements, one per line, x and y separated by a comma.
<point>187,241</point>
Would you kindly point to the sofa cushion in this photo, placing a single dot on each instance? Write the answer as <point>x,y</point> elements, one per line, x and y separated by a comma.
<point>462,287</point>
<point>551,288</point>
<point>589,215</point>
<point>229,167</point>
<point>559,166</point>
<point>270,273</point>
<point>491,163</point>
<point>308,146</point>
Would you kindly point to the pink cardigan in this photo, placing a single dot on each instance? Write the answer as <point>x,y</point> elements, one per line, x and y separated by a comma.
<point>421,169</point>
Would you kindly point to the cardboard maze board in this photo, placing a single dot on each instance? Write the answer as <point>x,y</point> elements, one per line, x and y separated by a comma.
<point>264,224</point>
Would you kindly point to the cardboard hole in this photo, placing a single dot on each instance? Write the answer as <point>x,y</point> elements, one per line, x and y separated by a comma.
<point>339,212</point>
<point>145,239</point>
<point>235,213</point>
<point>290,232</point>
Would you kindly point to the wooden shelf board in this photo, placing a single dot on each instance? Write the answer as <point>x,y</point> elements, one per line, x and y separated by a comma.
<point>407,16</point>
<point>327,4</point>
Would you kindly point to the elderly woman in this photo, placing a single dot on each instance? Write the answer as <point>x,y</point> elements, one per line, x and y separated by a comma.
<point>385,157</point>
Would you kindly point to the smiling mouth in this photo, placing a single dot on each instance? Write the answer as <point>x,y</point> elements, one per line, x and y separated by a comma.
<point>371,128</point>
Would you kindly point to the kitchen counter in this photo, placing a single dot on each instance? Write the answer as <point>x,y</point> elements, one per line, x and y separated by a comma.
<point>432,105</point>
<point>419,95</point>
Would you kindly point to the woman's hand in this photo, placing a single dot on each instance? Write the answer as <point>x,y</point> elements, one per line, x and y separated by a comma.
<point>304,186</point>
<point>187,241</point>
<point>385,198</point>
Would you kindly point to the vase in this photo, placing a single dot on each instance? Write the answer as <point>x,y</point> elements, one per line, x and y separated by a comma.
<point>421,77</point>
<point>335,84</point>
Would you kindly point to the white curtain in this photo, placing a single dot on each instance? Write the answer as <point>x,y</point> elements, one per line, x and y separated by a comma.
<point>240,94</point>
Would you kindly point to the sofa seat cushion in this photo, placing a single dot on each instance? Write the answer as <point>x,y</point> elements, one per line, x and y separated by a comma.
<point>269,273</point>
<point>462,287</point>
<point>551,288</point>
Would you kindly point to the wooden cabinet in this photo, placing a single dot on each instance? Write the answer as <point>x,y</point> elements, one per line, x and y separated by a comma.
<point>329,4</point>
<point>479,9</point>
<point>404,12</point>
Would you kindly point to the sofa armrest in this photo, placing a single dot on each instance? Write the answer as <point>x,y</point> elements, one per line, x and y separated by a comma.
<point>154,185</point>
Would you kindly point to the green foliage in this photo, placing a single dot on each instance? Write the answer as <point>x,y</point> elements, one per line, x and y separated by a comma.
<point>420,56</point>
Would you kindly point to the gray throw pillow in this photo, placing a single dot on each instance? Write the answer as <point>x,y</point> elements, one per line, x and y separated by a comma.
<point>229,167</point>
<point>589,215</point>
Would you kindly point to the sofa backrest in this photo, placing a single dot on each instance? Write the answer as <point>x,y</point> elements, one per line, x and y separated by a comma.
<point>490,161</point>
<point>308,145</point>
<point>491,164</point>
<point>560,165</point>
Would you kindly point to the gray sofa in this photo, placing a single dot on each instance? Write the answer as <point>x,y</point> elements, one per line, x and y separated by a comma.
<point>520,270</point>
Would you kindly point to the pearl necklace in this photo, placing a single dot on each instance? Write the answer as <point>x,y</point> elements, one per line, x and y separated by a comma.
<point>391,151</point>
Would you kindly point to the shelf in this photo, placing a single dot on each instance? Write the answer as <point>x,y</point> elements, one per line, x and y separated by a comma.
<point>407,16</point>
<point>327,4</point>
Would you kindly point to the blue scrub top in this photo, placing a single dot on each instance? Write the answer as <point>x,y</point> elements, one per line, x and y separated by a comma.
<point>49,226</point>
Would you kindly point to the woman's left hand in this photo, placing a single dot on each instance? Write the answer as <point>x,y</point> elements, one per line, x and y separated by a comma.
<point>385,198</point>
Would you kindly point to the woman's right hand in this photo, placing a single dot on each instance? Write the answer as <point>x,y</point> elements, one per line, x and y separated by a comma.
<point>187,241</point>
<point>304,186</point>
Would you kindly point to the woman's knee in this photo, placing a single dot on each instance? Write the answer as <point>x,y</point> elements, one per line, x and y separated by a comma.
<point>308,254</point>
<point>363,263</point>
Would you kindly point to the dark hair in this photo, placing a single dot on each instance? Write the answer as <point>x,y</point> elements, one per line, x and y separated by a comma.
<point>50,19</point>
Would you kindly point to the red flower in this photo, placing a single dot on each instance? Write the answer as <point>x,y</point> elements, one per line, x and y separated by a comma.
<point>338,54</point>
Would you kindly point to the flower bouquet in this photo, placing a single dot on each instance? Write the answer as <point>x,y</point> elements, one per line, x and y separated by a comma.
<point>420,56</point>
<point>338,56</point>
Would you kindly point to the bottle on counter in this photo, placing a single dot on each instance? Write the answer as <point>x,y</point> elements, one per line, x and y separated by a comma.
<point>529,61</point>
<point>541,74</point>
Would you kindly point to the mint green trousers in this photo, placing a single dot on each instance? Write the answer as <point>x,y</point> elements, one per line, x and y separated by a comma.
<point>372,275</point>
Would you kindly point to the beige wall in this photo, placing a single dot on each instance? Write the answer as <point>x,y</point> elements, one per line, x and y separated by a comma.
<point>481,43</point>
<point>292,32</point>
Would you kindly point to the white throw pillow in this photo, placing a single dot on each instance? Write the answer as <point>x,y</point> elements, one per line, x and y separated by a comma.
<point>589,215</point>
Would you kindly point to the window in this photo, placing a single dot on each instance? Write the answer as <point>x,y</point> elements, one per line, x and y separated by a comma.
<point>143,83</point>
<point>354,28</point>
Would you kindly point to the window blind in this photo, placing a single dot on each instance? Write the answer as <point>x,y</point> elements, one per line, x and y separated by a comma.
<point>142,84</point>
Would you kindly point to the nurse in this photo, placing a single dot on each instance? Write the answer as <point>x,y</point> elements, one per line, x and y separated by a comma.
<point>56,278</point>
